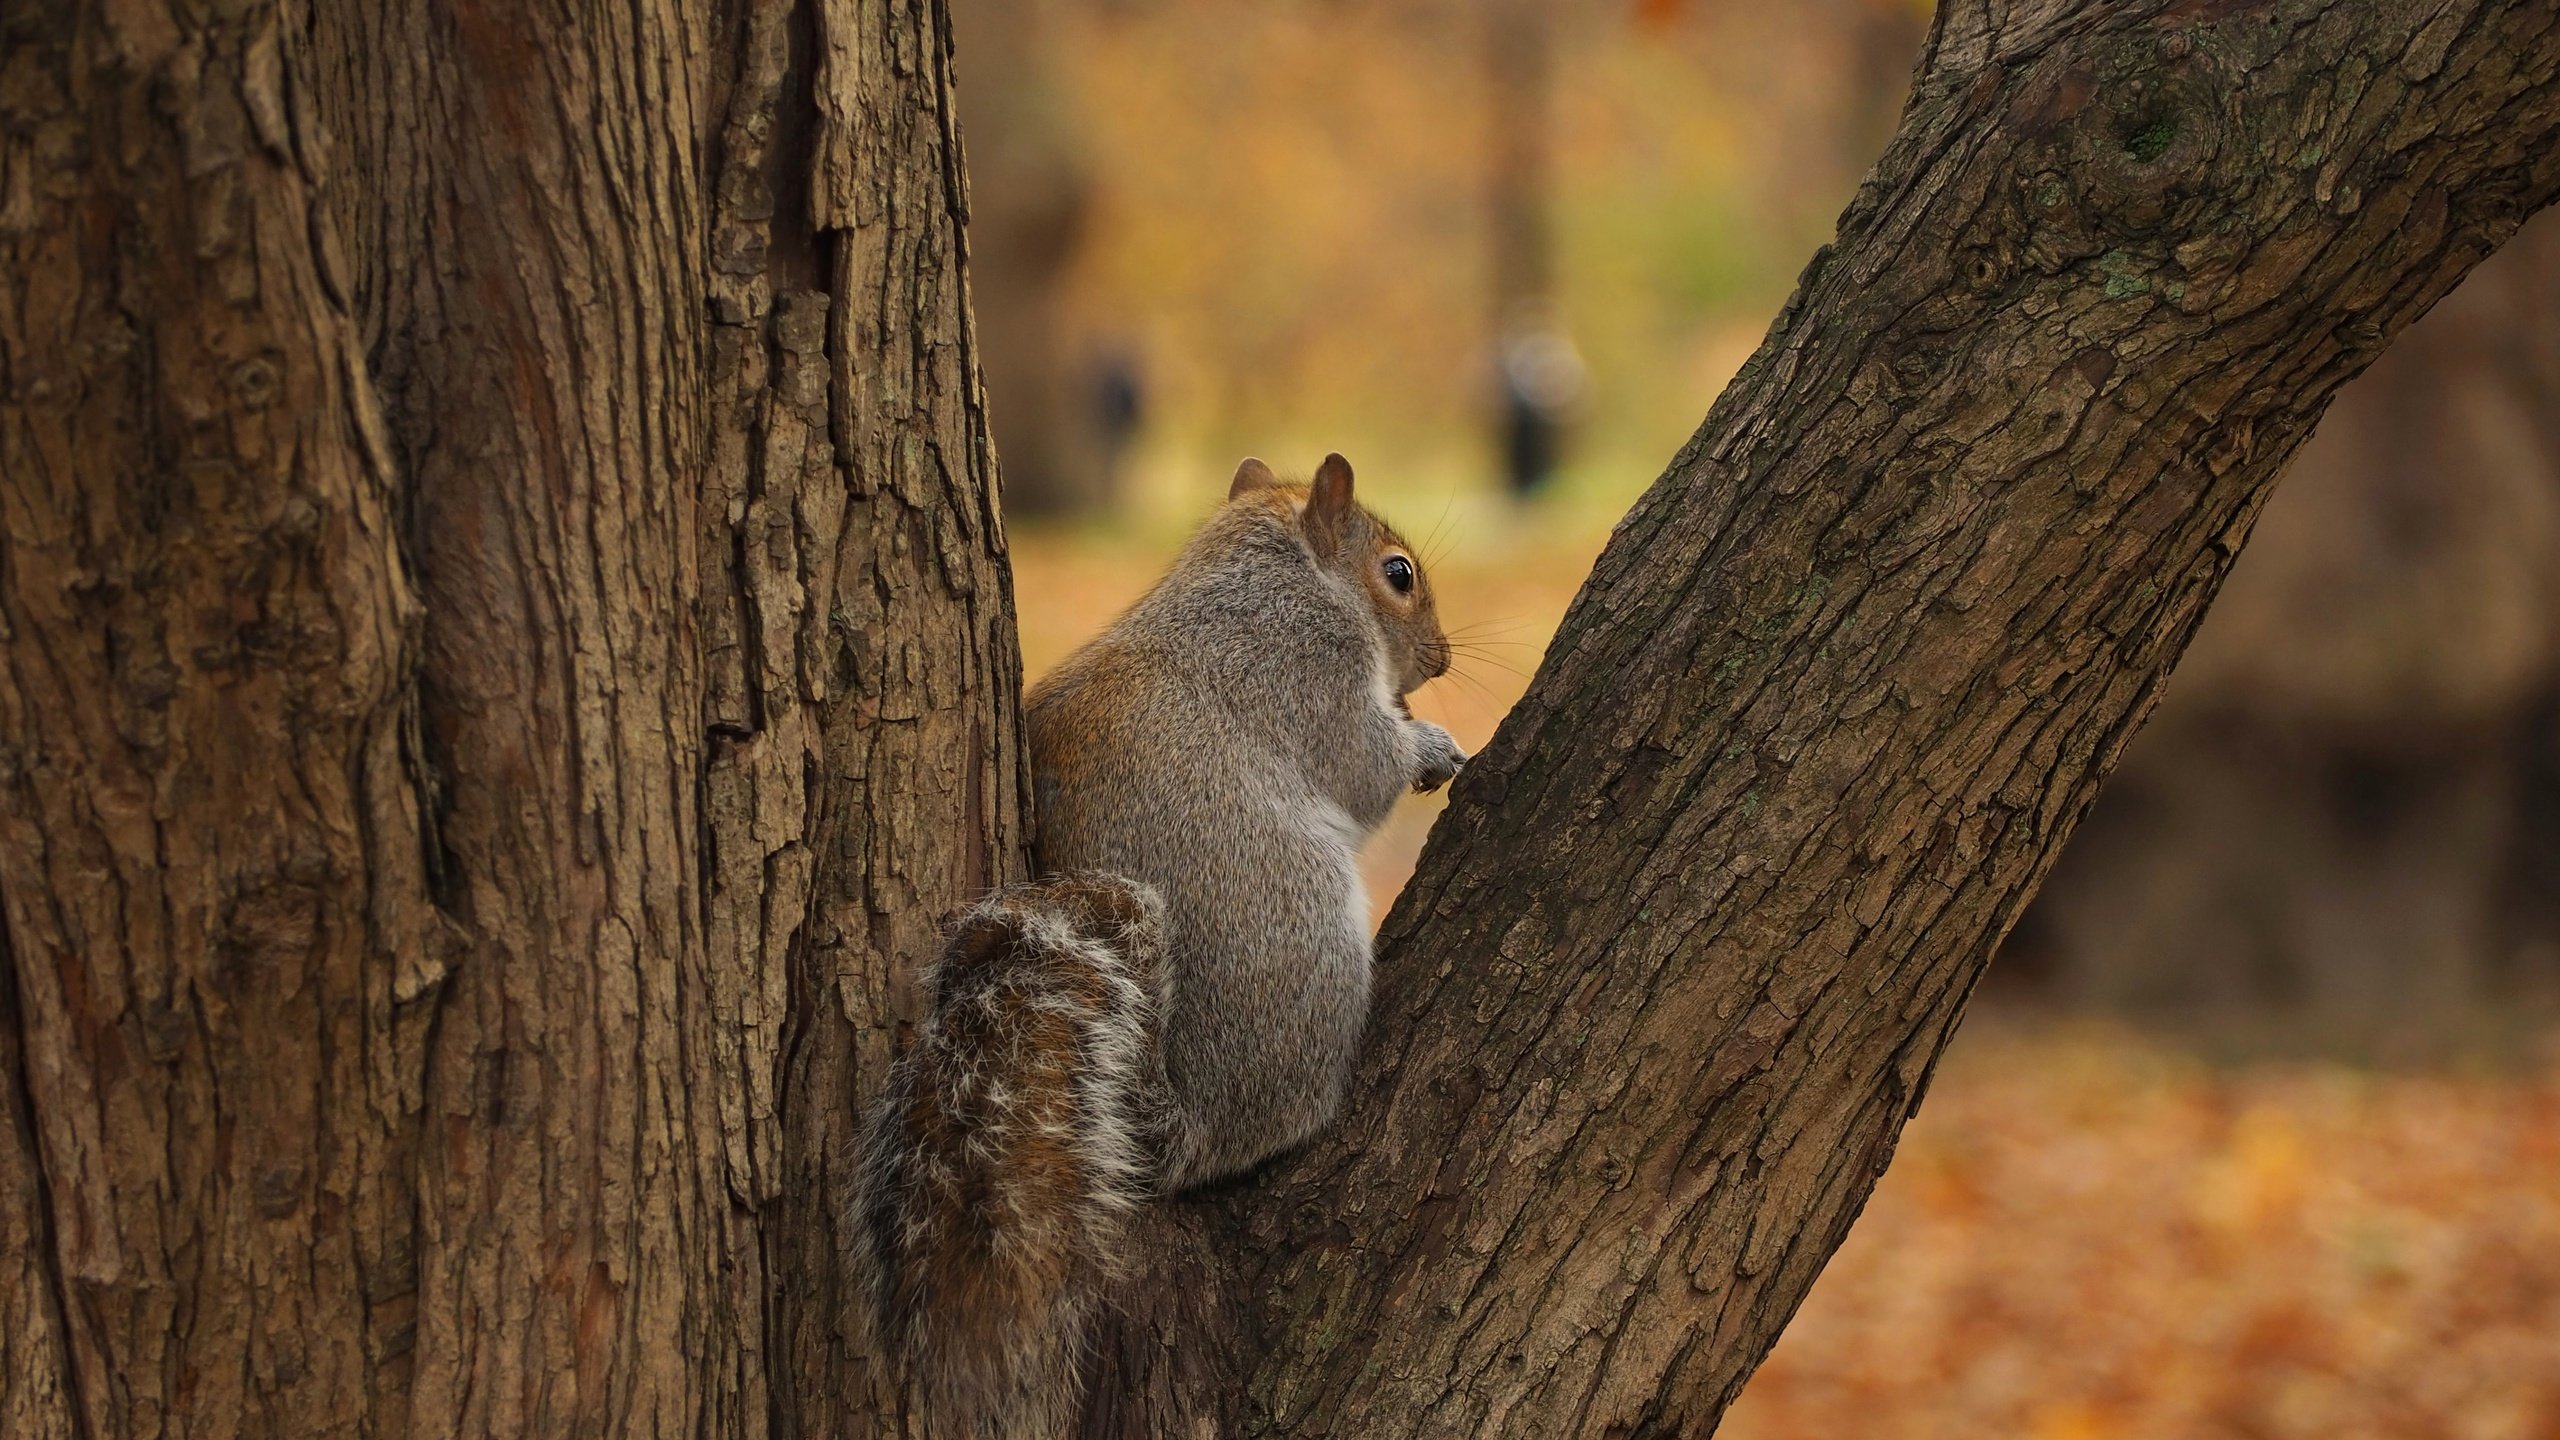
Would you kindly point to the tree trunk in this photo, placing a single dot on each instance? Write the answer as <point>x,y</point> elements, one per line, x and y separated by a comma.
<point>1679,959</point>
<point>505,653</point>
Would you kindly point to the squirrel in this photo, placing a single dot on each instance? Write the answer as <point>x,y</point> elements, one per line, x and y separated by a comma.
<point>1181,997</point>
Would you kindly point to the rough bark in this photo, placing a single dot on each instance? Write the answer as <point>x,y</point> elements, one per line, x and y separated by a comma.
<point>220,937</point>
<point>1681,955</point>
<point>504,655</point>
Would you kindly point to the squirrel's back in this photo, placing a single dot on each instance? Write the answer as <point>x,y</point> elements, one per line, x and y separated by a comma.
<point>1229,741</point>
<point>1187,998</point>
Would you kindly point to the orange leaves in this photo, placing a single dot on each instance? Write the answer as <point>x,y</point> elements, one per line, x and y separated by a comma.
<point>2090,1237</point>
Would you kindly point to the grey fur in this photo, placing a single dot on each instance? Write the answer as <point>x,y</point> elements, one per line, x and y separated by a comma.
<point>1185,999</point>
<point>1251,736</point>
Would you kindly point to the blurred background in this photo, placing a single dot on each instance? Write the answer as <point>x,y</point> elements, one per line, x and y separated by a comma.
<point>2255,1128</point>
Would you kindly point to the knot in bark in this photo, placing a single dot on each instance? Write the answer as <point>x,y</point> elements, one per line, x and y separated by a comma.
<point>2139,135</point>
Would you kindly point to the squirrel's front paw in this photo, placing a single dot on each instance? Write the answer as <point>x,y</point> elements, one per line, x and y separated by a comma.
<point>1438,757</point>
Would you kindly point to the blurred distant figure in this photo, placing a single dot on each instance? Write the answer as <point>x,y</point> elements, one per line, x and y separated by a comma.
<point>1539,373</point>
<point>2347,810</point>
<point>1542,383</point>
<point>1029,196</point>
<point>1119,397</point>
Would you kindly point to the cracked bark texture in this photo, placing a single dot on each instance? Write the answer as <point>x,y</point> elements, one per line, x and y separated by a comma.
<point>505,655</point>
<point>1679,959</point>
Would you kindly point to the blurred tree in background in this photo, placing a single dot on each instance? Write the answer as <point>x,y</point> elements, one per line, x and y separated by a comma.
<point>1030,197</point>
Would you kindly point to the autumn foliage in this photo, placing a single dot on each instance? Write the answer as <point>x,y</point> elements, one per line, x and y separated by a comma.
<point>2089,1236</point>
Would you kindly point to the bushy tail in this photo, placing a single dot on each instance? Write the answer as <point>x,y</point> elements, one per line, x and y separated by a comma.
<point>1018,1132</point>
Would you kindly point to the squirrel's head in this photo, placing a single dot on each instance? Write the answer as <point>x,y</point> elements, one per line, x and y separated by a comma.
<point>1348,539</point>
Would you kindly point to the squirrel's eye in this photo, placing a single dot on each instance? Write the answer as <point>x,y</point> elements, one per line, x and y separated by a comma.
<point>1399,574</point>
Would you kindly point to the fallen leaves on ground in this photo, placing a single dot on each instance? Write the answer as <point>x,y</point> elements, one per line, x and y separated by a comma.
<point>2089,1236</point>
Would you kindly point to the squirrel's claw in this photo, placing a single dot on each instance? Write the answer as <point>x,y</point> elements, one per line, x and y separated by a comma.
<point>1440,763</point>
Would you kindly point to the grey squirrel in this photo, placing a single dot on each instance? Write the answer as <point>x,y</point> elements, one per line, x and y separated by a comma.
<point>1181,997</point>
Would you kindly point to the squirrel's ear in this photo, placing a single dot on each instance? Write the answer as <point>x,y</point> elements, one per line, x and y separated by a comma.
<point>1252,474</point>
<point>1329,504</point>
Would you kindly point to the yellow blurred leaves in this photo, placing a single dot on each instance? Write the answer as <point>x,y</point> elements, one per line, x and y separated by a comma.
<point>2257,1179</point>
<point>2072,1422</point>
